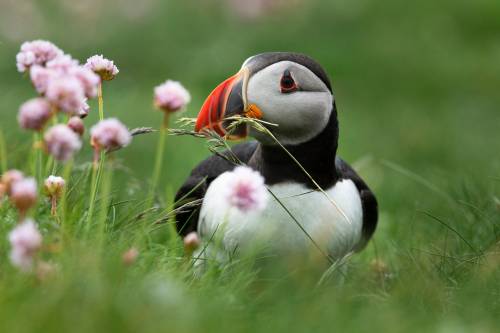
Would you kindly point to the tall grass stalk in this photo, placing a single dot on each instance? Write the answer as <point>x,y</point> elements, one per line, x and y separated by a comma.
<point>65,219</point>
<point>159,158</point>
<point>3,153</point>
<point>48,165</point>
<point>64,197</point>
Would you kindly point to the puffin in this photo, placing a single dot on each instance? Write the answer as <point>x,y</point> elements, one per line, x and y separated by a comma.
<point>319,204</point>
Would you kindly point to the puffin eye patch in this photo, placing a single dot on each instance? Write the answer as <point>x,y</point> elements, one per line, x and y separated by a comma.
<point>287,83</point>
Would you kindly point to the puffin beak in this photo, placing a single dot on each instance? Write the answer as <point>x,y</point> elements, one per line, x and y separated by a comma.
<point>227,100</point>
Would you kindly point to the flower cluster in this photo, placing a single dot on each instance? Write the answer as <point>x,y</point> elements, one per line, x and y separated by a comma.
<point>105,68</point>
<point>22,191</point>
<point>109,134</point>
<point>37,52</point>
<point>61,142</point>
<point>34,114</point>
<point>243,189</point>
<point>64,87</point>
<point>171,96</point>
<point>25,240</point>
<point>247,191</point>
<point>57,77</point>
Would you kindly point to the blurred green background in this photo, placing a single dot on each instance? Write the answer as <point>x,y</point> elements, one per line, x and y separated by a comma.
<point>417,85</point>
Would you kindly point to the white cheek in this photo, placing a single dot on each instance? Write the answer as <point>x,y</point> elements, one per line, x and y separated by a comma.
<point>300,116</point>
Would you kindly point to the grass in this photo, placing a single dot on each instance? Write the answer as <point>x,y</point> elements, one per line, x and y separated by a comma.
<point>417,91</point>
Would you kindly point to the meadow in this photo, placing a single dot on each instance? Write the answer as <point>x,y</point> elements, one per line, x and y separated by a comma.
<point>417,88</point>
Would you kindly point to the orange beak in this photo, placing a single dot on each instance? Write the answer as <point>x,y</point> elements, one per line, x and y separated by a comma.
<point>227,100</point>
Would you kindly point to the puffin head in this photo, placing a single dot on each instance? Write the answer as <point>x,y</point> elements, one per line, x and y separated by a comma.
<point>287,89</point>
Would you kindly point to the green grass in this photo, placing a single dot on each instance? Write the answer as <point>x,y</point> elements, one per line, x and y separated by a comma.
<point>417,89</point>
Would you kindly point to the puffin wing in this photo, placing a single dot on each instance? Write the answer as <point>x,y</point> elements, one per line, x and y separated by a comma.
<point>189,197</point>
<point>368,200</point>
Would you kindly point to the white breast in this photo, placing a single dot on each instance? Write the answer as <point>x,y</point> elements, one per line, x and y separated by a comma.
<point>336,233</point>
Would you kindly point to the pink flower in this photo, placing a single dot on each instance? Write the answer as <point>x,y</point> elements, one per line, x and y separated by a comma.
<point>105,68</point>
<point>171,96</point>
<point>34,114</point>
<point>23,194</point>
<point>110,134</point>
<point>37,52</point>
<point>10,177</point>
<point>67,93</point>
<point>84,109</point>
<point>54,186</point>
<point>62,142</point>
<point>62,64</point>
<point>40,77</point>
<point>25,240</point>
<point>25,60</point>
<point>88,79</point>
<point>191,242</point>
<point>76,125</point>
<point>245,189</point>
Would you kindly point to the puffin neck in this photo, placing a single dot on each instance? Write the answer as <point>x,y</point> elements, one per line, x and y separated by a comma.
<point>317,157</point>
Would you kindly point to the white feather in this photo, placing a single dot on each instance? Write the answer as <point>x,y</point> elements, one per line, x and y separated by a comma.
<point>274,231</point>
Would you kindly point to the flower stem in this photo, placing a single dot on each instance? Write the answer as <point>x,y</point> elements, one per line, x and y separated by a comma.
<point>39,158</point>
<point>107,175</point>
<point>53,204</point>
<point>159,158</point>
<point>94,187</point>
<point>3,154</point>
<point>64,198</point>
<point>100,101</point>
<point>34,158</point>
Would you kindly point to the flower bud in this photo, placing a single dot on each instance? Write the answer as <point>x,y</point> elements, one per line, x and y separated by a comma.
<point>76,125</point>
<point>130,256</point>
<point>191,242</point>
<point>54,186</point>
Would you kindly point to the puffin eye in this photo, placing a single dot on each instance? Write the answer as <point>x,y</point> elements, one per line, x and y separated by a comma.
<point>287,83</point>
